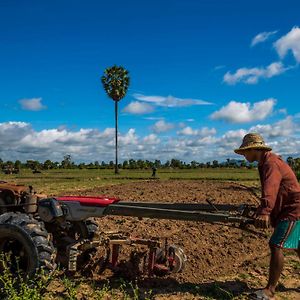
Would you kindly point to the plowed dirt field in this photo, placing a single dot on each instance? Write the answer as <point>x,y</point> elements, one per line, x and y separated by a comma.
<point>223,261</point>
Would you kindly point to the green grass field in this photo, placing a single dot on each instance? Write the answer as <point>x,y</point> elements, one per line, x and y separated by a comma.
<point>58,181</point>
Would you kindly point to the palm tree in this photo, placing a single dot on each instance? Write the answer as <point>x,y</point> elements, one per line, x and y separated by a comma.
<point>115,83</point>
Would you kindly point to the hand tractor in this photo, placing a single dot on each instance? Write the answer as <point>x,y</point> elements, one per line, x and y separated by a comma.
<point>37,232</point>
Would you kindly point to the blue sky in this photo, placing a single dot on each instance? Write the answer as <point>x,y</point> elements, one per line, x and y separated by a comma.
<point>203,73</point>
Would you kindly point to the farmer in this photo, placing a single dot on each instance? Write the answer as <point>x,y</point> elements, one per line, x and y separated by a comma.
<point>280,206</point>
<point>154,171</point>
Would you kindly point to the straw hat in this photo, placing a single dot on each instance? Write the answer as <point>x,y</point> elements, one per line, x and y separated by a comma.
<point>252,141</point>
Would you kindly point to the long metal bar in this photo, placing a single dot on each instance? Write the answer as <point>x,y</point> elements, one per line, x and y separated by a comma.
<point>184,206</point>
<point>173,214</point>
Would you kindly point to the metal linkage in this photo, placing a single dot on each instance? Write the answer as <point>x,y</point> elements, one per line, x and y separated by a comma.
<point>159,261</point>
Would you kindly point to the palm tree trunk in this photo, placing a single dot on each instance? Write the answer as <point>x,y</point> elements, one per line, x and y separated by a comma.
<point>116,137</point>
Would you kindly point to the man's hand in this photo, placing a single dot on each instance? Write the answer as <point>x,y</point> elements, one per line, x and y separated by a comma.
<point>262,221</point>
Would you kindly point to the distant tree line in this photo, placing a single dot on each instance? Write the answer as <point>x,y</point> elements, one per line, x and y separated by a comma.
<point>294,163</point>
<point>68,163</point>
<point>11,167</point>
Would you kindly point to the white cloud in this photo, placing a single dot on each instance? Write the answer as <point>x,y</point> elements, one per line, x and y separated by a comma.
<point>283,128</point>
<point>205,131</point>
<point>228,142</point>
<point>18,140</point>
<point>234,134</point>
<point>281,136</point>
<point>138,108</point>
<point>252,75</point>
<point>239,112</point>
<point>170,101</point>
<point>262,37</point>
<point>187,131</point>
<point>130,138</point>
<point>151,139</point>
<point>289,42</point>
<point>162,126</point>
<point>153,118</point>
<point>33,104</point>
<point>12,132</point>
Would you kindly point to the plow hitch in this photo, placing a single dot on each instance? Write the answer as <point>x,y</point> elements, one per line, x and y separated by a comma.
<point>80,208</point>
<point>155,258</point>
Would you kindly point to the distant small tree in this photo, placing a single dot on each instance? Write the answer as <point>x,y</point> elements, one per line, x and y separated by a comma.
<point>157,163</point>
<point>167,164</point>
<point>175,163</point>
<point>291,162</point>
<point>215,164</point>
<point>66,163</point>
<point>111,164</point>
<point>194,164</point>
<point>243,164</point>
<point>141,164</point>
<point>8,167</point>
<point>56,165</point>
<point>48,164</point>
<point>33,165</point>
<point>17,165</point>
<point>132,164</point>
<point>251,166</point>
<point>125,164</point>
<point>297,163</point>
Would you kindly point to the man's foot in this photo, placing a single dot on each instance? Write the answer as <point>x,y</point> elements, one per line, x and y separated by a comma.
<point>263,294</point>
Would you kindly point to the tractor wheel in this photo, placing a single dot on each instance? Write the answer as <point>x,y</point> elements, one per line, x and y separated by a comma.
<point>87,230</point>
<point>78,230</point>
<point>25,245</point>
<point>84,229</point>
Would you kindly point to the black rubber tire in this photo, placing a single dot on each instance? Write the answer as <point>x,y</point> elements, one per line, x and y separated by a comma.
<point>86,262</point>
<point>92,227</point>
<point>85,229</point>
<point>23,236</point>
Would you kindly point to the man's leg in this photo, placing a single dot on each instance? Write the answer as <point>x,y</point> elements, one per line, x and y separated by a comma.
<point>275,269</point>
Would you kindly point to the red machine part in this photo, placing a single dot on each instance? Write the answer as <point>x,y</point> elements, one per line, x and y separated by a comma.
<point>101,201</point>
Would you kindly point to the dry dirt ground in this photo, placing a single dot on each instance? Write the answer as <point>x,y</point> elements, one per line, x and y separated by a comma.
<point>224,262</point>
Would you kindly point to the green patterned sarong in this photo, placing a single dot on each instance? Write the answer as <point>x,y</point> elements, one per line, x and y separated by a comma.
<point>286,235</point>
